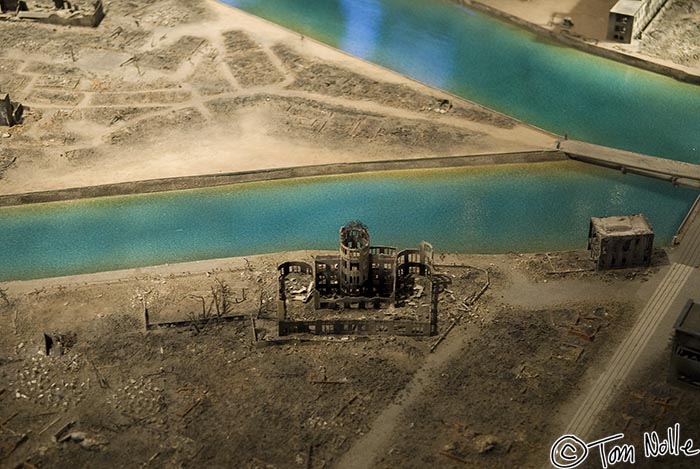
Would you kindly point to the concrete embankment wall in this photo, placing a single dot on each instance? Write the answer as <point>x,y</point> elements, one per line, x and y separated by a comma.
<point>208,180</point>
<point>581,44</point>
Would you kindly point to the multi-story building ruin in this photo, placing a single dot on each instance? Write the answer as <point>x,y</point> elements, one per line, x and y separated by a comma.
<point>629,18</point>
<point>620,242</point>
<point>360,276</point>
<point>685,353</point>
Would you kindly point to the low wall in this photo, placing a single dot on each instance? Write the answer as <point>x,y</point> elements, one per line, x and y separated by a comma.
<point>357,326</point>
<point>581,44</point>
<point>209,180</point>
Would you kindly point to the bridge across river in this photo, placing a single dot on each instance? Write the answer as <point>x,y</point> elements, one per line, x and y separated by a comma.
<point>677,172</point>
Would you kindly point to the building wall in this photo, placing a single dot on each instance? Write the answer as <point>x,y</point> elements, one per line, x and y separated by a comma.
<point>356,326</point>
<point>353,302</point>
<point>685,359</point>
<point>354,259</point>
<point>619,252</point>
<point>645,15</point>
<point>620,28</point>
<point>415,261</point>
<point>623,28</point>
<point>326,274</point>
<point>382,271</point>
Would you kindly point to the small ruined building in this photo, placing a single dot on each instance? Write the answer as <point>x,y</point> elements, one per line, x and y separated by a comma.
<point>10,112</point>
<point>685,354</point>
<point>629,18</point>
<point>63,12</point>
<point>359,277</point>
<point>620,242</point>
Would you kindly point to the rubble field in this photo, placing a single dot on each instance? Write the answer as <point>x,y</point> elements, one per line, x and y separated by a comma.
<point>494,405</point>
<point>181,365</point>
<point>198,88</point>
<point>649,402</point>
<point>210,383</point>
<point>674,34</point>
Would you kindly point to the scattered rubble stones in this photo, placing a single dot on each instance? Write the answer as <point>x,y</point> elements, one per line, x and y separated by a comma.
<point>335,81</point>
<point>674,33</point>
<point>248,62</point>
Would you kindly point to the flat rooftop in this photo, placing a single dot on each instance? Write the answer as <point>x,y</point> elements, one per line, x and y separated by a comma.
<point>628,225</point>
<point>627,7</point>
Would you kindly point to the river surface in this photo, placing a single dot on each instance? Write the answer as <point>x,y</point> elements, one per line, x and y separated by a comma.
<point>492,209</point>
<point>536,207</point>
<point>505,68</point>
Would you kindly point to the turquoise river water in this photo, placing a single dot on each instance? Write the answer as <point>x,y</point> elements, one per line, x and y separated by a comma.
<point>489,210</point>
<point>505,68</point>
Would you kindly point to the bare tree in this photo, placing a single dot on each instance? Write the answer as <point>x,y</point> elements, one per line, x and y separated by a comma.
<point>267,288</point>
<point>205,309</point>
<point>220,292</point>
<point>222,297</point>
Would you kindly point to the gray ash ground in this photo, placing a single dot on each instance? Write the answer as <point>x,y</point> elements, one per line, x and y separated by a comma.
<point>675,33</point>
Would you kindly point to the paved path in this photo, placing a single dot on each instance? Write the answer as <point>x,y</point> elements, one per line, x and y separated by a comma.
<point>688,253</point>
<point>373,445</point>
<point>687,258</point>
<point>686,173</point>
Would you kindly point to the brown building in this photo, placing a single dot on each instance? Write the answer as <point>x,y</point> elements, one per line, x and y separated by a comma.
<point>685,354</point>
<point>360,276</point>
<point>365,276</point>
<point>628,18</point>
<point>620,242</point>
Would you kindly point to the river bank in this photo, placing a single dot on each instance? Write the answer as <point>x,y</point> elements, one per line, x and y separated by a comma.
<point>526,207</point>
<point>152,94</point>
<point>545,19</point>
<point>507,68</point>
<point>86,384</point>
<point>222,179</point>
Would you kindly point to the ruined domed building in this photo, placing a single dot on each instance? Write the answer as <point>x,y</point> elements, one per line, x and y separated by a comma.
<point>360,276</point>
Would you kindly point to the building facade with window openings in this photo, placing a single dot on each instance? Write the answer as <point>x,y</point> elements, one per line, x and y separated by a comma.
<point>629,18</point>
<point>359,277</point>
<point>365,276</point>
<point>620,242</point>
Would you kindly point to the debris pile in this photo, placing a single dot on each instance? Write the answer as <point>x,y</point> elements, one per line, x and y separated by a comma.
<point>42,381</point>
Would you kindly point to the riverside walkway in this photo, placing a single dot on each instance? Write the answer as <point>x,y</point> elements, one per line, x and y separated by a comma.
<point>677,172</point>
<point>657,311</point>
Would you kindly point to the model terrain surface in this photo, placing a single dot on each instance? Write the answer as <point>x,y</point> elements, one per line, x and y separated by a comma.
<point>669,38</point>
<point>363,352</point>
